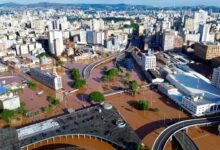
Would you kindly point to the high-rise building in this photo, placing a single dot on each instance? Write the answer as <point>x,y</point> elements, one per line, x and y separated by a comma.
<point>55,40</point>
<point>200,17</point>
<point>204,30</point>
<point>189,24</point>
<point>146,61</point>
<point>82,35</point>
<point>216,77</point>
<point>90,37</point>
<point>97,24</point>
<point>168,40</point>
<point>53,80</point>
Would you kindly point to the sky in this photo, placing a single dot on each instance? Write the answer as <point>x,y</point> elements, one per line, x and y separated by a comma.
<point>160,3</point>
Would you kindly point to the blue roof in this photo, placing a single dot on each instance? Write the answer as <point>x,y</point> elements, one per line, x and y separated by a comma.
<point>2,89</point>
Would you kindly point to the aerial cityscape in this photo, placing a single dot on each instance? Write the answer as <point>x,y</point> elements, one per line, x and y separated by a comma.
<point>110,75</point>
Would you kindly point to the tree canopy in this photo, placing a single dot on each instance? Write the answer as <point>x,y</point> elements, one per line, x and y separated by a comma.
<point>143,104</point>
<point>79,83</point>
<point>22,109</point>
<point>96,96</point>
<point>32,85</point>
<point>133,86</point>
<point>75,74</point>
<point>7,115</point>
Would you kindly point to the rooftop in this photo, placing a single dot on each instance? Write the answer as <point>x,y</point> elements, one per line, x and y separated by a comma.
<point>194,84</point>
<point>95,120</point>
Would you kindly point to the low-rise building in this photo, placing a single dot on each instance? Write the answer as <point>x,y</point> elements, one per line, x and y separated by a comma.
<point>3,68</point>
<point>207,50</point>
<point>167,88</point>
<point>8,100</point>
<point>52,80</point>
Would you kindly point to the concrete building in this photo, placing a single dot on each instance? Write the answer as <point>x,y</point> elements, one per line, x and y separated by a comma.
<point>207,50</point>
<point>197,95</point>
<point>189,24</point>
<point>3,68</point>
<point>204,30</point>
<point>53,81</point>
<point>167,88</point>
<point>216,77</point>
<point>8,100</point>
<point>200,17</point>
<point>191,37</point>
<point>146,61</point>
<point>168,40</point>
<point>55,40</point>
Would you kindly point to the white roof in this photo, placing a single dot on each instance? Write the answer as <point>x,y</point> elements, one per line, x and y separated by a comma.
<point>34,129</point>
<point>196,85</point>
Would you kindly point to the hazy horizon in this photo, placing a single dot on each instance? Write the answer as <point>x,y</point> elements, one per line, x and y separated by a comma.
<point>159,3</point>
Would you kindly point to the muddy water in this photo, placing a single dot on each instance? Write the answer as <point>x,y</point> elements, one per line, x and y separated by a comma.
<point>80,142</point>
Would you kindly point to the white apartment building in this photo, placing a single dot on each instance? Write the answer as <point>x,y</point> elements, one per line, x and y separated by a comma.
<point>192,37</point>
<point>9,101</point>
<point>146,61</point>
<point>55,40</point>
<point>204,30</point>
<point>168,41</point>
<point>216,77</point>
<point>200,17</point>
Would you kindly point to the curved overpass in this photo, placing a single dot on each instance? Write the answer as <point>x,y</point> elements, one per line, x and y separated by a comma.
<point>162,139</point>
<point>59,139</point>
<point>88,69</point>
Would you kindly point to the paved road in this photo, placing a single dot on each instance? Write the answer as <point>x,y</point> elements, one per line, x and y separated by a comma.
<point>171,130</point>
<point>185,141</point>
<point>88,69</point>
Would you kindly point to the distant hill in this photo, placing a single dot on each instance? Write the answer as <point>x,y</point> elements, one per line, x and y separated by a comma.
<point>120,6</point>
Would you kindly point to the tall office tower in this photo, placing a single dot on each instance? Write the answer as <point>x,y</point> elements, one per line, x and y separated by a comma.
<point>55,40</point>
<point>168,40</point>
<point>200,17</point>
<point>90,37</point>
<point>82,35</point>
<point>189,24</point>
<point>216,77</point>
<point>97,24</point>
<point>99,37</point>
<point>56,24</point>
<point>204,30</point>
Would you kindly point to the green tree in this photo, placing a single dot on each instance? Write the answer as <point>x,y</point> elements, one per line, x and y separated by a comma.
<point>105,68</point>
<point>22,109</point>
<point>75,74</point>
<point>96,96</point>
<point>112,72</point>
<point>133,86</point>
<point>143,104</point>
<point>127,75</point>
<point>53,100</point>
<point>42,55</point>
<point>7,115</point>
<point>32,85</point>
<point>79,83</point>
<point>60,63</point>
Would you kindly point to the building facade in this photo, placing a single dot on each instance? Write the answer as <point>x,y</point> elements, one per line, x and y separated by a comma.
<point>50,80</point>
<point>55,40</point>
<point>216,77</point>
<point>207,51</point>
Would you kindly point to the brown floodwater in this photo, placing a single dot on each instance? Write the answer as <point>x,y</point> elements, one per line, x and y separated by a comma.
<point>75,141</point>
